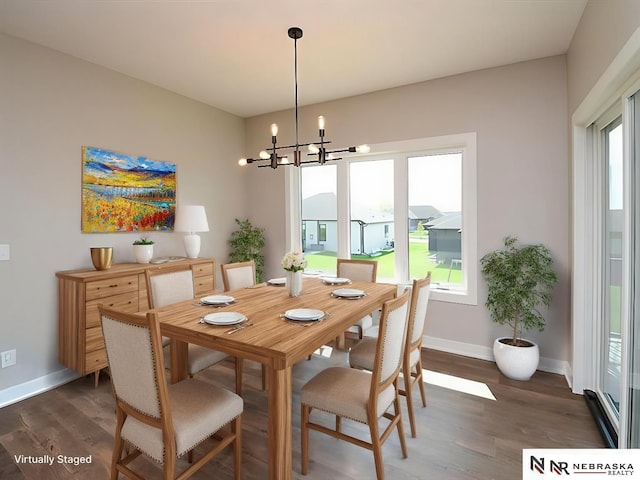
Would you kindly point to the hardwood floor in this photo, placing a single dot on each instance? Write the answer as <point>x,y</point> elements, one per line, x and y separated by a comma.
<point>460,436</point>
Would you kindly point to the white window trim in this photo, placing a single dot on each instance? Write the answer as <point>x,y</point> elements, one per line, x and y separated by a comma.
<point>465,142</point>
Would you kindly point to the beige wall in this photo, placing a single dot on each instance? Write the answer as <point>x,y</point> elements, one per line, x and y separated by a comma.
<point>52,104</point>
<point>604,28</point>
<point>520,115</point>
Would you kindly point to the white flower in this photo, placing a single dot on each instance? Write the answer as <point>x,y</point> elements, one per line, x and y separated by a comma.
<point>294,261</point>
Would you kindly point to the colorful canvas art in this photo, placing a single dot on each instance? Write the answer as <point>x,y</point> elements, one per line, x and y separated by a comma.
<point>125,193</point>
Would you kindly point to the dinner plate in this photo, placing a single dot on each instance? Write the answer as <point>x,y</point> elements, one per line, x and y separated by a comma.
<point>335,280</point>
<point>304,314</point>
<point>277,281</point>
<point>348,293</point>
<point>224,318</point>
<point>217,299</point>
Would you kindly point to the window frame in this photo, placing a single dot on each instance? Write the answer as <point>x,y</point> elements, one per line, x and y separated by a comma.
<point>400,152</point>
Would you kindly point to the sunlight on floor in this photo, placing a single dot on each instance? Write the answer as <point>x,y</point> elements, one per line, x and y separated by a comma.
<point>463,385</point>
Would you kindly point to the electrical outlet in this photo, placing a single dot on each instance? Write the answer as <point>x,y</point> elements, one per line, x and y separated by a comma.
<point>8,358</point>
<point>4,252</point>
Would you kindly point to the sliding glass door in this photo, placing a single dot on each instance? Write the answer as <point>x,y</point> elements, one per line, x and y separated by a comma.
<point>612,262</point>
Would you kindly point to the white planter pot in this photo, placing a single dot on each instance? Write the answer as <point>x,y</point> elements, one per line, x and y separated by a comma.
<point>143,253</point>
<point>517,363</point>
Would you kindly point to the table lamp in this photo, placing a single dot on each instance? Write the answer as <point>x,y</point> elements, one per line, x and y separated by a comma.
<point>191,219</point>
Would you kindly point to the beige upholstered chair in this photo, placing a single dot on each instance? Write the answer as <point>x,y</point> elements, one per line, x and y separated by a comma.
<point>241,275</point>
<point>360,271</point>
<point>362,355</point>
<point>162,421</point>
<point>359,395</point>
<point>238,275</point>
<point>172,285</point>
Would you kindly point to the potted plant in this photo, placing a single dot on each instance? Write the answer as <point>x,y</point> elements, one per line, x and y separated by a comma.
<point>519,279</point>
<point>246,244</point>
<point>143,249</point>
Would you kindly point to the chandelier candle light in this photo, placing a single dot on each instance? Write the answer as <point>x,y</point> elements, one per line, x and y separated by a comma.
<point>294,263</point>
<point>320,153</point>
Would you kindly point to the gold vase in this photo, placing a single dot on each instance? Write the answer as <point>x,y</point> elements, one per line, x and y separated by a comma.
<point>101,257</point>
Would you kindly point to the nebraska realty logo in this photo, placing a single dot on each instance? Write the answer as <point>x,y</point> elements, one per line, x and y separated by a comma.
<point>596,463</point>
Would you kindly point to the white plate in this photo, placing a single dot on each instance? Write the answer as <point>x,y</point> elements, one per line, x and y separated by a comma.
<point>348,293</point>
<point>277,281</point>
<point>217,299</point>
<point>304,314</point>
<point>335,280</point>
<point>224,318</point>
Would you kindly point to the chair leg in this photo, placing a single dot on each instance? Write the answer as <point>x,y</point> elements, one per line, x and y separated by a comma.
<point>338,424</point>
<point>408,381</point>
<point>239,368</point>
<point>304,437</point>
<point>399,426</point>
<point>236,428</point>
<point>421,382</point>
<point>118,445</point>
<point>376,447</point>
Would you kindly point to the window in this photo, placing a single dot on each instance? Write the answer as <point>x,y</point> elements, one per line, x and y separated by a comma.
<point>322,232</point>
<point>404,208</point>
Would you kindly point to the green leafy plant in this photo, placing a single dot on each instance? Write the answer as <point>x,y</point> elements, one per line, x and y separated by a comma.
<point>246,244</point>
<point>520,278</point>
<point>144,241</point>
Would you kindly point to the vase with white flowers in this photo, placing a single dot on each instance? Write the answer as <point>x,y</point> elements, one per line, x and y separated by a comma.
<point>294,264</point>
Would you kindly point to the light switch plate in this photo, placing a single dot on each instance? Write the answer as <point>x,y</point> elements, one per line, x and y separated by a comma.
<point>4,252</point>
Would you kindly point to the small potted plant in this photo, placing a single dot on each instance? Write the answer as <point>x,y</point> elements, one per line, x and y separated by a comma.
<point>143,249</point>
<point>520,278</point>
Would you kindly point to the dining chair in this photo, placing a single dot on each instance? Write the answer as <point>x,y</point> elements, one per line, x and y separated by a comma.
<point>241,275</point>
<point>360,271</point>
<point>172,285</point>
<point>162,421</point>
<point>362,355</point>
<point>359,395</point>
<point>238,275</point>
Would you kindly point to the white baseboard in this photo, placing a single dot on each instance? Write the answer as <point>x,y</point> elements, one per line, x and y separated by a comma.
<point>37,385</point>
<point>551,365</point>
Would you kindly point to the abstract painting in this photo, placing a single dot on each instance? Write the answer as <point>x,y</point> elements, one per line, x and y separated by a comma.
<point>126,193</point>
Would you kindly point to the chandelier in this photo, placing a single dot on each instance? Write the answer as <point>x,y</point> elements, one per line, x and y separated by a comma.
<point>276,155</point>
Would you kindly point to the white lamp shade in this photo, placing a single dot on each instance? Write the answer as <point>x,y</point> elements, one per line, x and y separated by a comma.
<point>191,218</point>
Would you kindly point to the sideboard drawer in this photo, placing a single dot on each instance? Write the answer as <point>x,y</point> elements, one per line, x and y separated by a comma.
<point>125,302</point>
<point>203,286</point>
<point>96,360</point>
<point>112,286</point>
<point>94,339</point>
<point>203,270</point>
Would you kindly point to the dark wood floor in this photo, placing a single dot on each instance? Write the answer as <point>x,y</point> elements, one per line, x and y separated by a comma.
<point>460,436</point>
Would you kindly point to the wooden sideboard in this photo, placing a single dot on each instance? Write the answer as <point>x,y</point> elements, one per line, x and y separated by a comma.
<point>123,287</point>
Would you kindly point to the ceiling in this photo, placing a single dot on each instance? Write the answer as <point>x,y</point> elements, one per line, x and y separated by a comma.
<point>236,55</point>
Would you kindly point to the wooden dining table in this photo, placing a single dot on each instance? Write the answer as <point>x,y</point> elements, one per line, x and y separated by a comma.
<point>272,340</point>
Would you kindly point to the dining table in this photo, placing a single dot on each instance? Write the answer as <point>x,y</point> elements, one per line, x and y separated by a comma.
<point>269,337</point>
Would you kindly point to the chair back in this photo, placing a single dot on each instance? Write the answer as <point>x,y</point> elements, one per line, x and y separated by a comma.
<point>391,341</point>
<point>238,275</point>
<point>165,287</point>
<point>420,293</point>
<point>133,340</point>
<point>357,270</point>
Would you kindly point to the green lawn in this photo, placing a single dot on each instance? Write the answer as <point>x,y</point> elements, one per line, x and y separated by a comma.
<point>420,264</point>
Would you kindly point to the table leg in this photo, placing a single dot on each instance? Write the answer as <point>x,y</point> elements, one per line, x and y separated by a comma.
<point>179,352</point>
<point>280,464</point>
